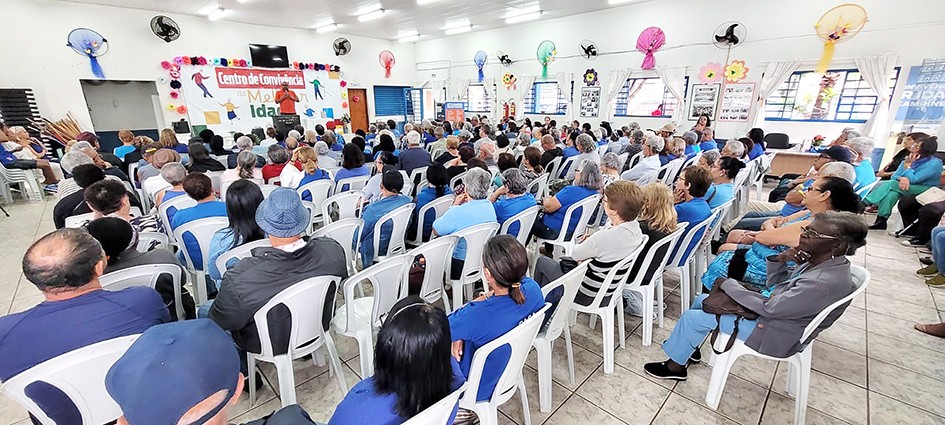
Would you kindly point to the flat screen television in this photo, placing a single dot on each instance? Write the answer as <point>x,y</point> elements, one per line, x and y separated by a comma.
<point>269,56</point>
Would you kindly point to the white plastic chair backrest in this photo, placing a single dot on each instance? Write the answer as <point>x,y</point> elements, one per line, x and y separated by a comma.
<point>149,240</point>
<point>568,164</point>
<point>417,175</point>
<point>437,254</point>
<point>399,218</point>
<point>226,185</point>
<point>636,159</point>
<point>865,190</point>
<point>742,177</point>
<point>154,184</point>
<point>407,190</point>
<point>348,203</point>
<point>602,149</point>
<point>519,340</point>
<point>239,253</point>
<point>343,231</point>
<point>571,282</point>
<point>133,174</point>
<point>455,181</point>
<point>700,229</point>
<point>538,185</point>
<point>668,171</point>
<point>267,189</point>
<point>554,166</point>
<point>440,412</point>
<point>476,238</point>
<point>587,209</point>
<point>669,241</point>
<point>216,179</point>
<point>622,159</point>
<point>76,221</point>
<point>716,226</point>
<point>617,277</point>
<point>439,205</point>
<point>80,374</point>
<point>319,191</point>
<point>691,161</point>
<point>202,230</point>
<point>146,275</point>
<point>525,220</point>
<point>351,183</point>
<point>388,278</point>
<point>179,203</point>
<point>276,181</point>
<point>304,301</point>
<point>861,279</point>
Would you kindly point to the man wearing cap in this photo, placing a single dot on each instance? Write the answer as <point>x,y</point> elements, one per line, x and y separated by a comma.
<point>66,265</point>
<point>165,378</point>
<point>834,153</point>
<point>254,280</point>
<point>391,184</point>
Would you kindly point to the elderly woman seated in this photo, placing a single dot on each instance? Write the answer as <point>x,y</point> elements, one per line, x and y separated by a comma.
<point>588,148</point>
<point>917,172</point>
<point>788,302</point>
<point>512,198</point>
<point>744,253</point>
<point>469,209</point>
<point>587,182</point>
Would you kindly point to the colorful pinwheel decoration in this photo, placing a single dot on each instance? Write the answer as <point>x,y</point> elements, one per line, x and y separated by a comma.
<point>590,77</point>
<point>480,61</point>
<point>649,41</point>
<point>386,58</point>
<point>736,71</point>
<point>836,26</point>
<point>91,44</point>
<point>710,73</point>
<point>546,55</point>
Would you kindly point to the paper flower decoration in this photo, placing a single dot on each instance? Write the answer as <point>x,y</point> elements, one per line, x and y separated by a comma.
<point>710,73</point>
<point>224,62</point>
<point>386,58</point>
<point>171,107</point>
<point>175,74</point>
<point>182,109</point>
<point>175,94</point>
<point>343,84</point>
<point>344,95</point>
<point>179,60</point>
<point>649,41</point>
<point>166,65</point>
<point>175,84</point>
<point>186,60</point>
<point>344,104</point>
<point>202,60</point>
<point>736,71</point>
<point>243,62</point>
<point>509,80</point>
<point>590,77</point>
<point>356,99</point>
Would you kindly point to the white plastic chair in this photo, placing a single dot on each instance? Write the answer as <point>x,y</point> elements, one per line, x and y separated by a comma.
<point>612,287</point>
<point>351,183</point>
<point>567,243</point>
<point>764,164</point>
<point>202,230</point>
<point>865,190</point>
<point>798,380</point>
<point>440,412</point>
<point>29,186</point>
<point>146,275</point>
<point>179,203</point>
<point>668,172</point>
<point>304,301</point>
<point>519,340</point>
<point>417,175</point>
<point>358,318</point>
<point>154,184</point>
<point>476,238</point>
<point>348,205</point>
<point>683,263</point>
<point>239,253</point>
<point>635,159</point>
<point>319,190</point>
<point>565,168</point>
<point>226,185</point>
<point>554,167</point>
<point>216,178</point>
<point>558,324</point>
<point>704,251</point>
<point>152,240</point>
<point>267,189</point>
<point>80,374</point>
<point>651,291</point>
<point>525,220</point>
<point>539,186</point>
<point>347,233</point>
<point>457,180</point>
<point>407,190</point>
<point>398,218</point>
<point>439,205</point>
<point>437,255</point>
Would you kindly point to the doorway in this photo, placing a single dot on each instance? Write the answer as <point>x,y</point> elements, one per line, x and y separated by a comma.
<point>122,105</point>
<point>358,108</point>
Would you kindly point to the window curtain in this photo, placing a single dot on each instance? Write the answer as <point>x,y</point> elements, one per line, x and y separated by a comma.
<point>523,87</point>
<point>564,80</point>
<point>875,71</point>
<point>459,87</point>
<point>776,73</point>
<point>438,86</point>
<point>618,78</point>
<point>675,80</point>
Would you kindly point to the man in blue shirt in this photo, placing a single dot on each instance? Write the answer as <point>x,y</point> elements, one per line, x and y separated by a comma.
<point>199,187</point>
<point>414,156</point>
<point>570,150</point>
<point>469,209</point>
<point>708,140</point>
<point>391,184</point>
<point>66,265</point>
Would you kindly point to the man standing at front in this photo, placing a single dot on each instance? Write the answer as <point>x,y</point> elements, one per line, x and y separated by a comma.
<point>286,99</point>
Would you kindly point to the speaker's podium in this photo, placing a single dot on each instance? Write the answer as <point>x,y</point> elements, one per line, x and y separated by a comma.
<point>284,123</point>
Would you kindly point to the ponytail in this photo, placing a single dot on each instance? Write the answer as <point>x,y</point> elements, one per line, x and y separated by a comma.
<point>515,292</point>
<point>310,165</point>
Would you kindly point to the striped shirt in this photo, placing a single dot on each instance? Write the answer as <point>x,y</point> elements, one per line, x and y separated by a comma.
<point>605,248</point>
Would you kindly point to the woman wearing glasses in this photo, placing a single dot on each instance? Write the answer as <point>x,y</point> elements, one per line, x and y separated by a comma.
<point>786,304</point>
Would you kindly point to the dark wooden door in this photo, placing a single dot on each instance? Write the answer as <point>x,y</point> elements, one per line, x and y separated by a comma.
<point>358,107</point>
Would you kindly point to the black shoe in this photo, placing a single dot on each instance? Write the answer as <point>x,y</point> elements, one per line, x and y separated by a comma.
<point>696,357</point>
<point>661,371</point>
<point>928,261</point>
<point>880,224</point>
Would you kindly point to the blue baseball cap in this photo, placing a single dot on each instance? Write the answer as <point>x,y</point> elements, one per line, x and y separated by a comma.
<point>171,368</point>
<point>282,214</point>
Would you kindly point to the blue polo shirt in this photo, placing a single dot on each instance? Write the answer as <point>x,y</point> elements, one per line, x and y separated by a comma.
<point>719,194</point>
<point>664,159</point>
<point>6,158</point>
<point>196,212</point>
<point>508,207</point>
<point>459,217</point>
<point>693,212</point>
<point>707,146</point>
<point>425,196</point>
<point>308,178</point>
<point>756,151</point>
<point>479,322</point>
<point>372,213</point>
<point>567,197</point>
<point>789,209</point>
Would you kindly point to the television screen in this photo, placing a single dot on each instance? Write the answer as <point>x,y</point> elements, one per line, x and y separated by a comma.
<point>269,56</point>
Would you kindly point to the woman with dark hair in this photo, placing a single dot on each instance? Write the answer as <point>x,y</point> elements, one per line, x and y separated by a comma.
<point>200,160</point>
<point>439,181</point>
<point>372,190</point>
<point>386,144</point>
<point>757,137</point>
<point>242,199</point>
<point>907,141</point>
<point>216,146</point>
<point>504,161</point>
<point>511,296</point>
<point>531,162</point>
<point>690,189</point>
<point>352,163</point>
<point>458,165</point>
<point>413,368</point>
<point>723,172</point>
<point>702,123</point>
<point>917,172</point>
<point>503,144</point>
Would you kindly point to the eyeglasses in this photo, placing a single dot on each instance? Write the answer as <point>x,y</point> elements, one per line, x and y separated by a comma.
<point>806,231</point>
<point>815,189</point>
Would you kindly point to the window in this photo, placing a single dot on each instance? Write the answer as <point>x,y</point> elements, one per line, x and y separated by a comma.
<point>545,98</point>
<point>389,101</point>
<point>478,98</point>
<point>645,97</point>
<point>839,95</point>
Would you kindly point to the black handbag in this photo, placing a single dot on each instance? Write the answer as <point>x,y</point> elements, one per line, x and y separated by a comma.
<point>719,303</point>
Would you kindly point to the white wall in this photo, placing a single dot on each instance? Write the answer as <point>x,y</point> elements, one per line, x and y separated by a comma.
<point>776,30</point>
<point>121,105</point>
<point>40,59</point>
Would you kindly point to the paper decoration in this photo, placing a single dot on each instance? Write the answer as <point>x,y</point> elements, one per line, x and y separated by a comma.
<point>837,25</point>
<point>736,71</point>
<point>182,109</point>
<point>211,117</point>
<point>590,78</point>
<point>90,44</point>
<point>710,73</point>
<point>590,102</point>
<point>704,100</point>
<point>736,101</point>
<point>649,41</point>
<point>509,80</point>
<point>386,58</point>
<point>546,55</point>
<point>328,113</point>
<point>480,61</point>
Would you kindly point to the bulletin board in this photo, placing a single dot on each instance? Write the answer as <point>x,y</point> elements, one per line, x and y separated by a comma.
<point>590,102</point>
<point>737,99</point>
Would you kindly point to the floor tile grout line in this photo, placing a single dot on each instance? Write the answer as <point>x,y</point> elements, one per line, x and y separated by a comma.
<point>892,397</point>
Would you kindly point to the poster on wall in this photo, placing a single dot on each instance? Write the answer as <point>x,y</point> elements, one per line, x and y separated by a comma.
<point>590,102</point>
<point>923,97</point>
<point>454,112</point>
<point>227,99</point>
<point>736,101</point>
<point>705,98</point>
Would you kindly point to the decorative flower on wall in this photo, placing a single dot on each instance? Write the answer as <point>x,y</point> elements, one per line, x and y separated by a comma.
<point>736,71</point>
<point>509,80</point>
<point>590,77</point>
<point>710,73</point>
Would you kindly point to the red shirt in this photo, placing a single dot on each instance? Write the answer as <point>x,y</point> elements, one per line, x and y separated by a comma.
<point>270,171</point>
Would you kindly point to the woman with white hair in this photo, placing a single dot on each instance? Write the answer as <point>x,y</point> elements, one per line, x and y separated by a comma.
<point>173,173</point>
<point>514,195</point>
<point>245,168</point>
<point>469,209</point>
<point>327,158</point>
<point>243,143</point>
<point>734,149</point>
<point>588,148</point>
<point>610,168</point>
<point>863,148</point>
<point>586,183</point>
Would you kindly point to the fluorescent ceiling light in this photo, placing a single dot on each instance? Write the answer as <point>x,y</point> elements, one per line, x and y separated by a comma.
<point>522,18</point>
<point>525,9</point>
<point>408,38</point>
<point>422,2</point>
<point>458,30</point>
<point>619,1</point>
<point>242,1</point>
<point>216,14</point>
<point>206,10</point>
<point>370,16</point>
<point>326,28</point>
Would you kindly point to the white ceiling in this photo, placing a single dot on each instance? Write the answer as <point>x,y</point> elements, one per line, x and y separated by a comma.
<point>401,15</point>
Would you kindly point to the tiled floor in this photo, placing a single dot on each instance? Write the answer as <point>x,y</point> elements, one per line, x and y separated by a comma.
<point>869,368</point>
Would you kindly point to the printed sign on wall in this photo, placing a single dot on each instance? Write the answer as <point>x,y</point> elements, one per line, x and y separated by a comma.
<point>705,98</point>
<point>590,102</point>
<point>923,97</point>
<point>736,101</point>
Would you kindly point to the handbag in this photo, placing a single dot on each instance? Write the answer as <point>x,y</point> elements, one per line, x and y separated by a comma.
<point>567,264</point>
<point>719,303</point>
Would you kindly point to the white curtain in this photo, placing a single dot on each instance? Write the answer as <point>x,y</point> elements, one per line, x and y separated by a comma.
<point>522,87</point>
<point>675,80</point>
<point>776,72</point>
<point>438,86</point>
<point>617,79</point>
<point>459,86</point>
<point>875,71</point>
<point>564,80</point>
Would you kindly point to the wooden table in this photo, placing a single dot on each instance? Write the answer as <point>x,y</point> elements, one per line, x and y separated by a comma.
<point>791,162</point>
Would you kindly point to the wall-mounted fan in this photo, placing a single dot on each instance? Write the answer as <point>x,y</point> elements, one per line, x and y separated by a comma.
<point>504,59</point>
<point>729,35</point>
<point>341,46</point>
<point>165,28</point>
<point>588,49</point>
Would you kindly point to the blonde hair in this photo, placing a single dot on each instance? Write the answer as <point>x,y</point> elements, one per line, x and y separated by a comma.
<point>309,159</point>
<point>168,138</point>
<point>658,211</point>
<point>140,141</point>
<point>452,142</point>
<point>125,136</point>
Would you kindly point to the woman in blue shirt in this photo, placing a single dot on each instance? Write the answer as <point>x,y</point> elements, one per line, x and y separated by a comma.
<point>757,137</point>
<point>413,368</point>
<point>918,172</point>
<point>510,298</point>
<point>439,181</point>
<point>587,181</point>
<point>310,171</point>
<point>242,199</point>
<point>865,174</point>
<point>723,173</point>
<point>515,198</point>
<point>352,164</point>
<point>691,207</point>
<point>391,184</point>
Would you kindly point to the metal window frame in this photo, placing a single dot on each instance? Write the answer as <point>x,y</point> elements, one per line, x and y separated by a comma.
<point>842,100</point>
<point>668,98</point>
